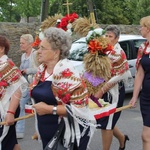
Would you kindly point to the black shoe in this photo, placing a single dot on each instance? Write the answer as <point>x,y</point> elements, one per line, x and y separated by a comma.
<point>125,140</point>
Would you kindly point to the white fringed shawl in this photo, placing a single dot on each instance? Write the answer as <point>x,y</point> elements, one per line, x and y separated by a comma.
<point>7,92</point>
<point>66,76</point>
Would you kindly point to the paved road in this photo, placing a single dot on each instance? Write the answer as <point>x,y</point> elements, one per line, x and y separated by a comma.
<point>130,123</point>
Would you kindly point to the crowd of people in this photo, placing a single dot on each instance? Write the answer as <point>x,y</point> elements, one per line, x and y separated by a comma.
<point>58,90</point>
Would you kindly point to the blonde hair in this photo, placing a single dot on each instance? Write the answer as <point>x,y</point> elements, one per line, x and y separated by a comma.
<point>145,21</point>
<point>28,37</point>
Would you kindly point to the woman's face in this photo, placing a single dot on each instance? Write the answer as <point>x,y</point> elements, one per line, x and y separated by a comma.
<point>144,31</point>
<point>24,45</point>
<point>45,52</point>
<point>112,38</point>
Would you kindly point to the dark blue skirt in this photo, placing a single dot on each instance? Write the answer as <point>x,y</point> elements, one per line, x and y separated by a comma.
<point>10,139</point>
<point>104,122</point>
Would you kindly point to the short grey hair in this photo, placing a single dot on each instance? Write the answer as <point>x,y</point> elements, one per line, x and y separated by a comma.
<point>59,39</point>
<point>114,29</point>
<point>28,37</point>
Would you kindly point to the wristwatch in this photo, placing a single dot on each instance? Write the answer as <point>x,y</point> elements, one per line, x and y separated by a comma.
<point>54,111</point>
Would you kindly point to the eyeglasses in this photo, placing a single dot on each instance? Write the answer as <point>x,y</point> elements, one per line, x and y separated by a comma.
<point>42,48</point>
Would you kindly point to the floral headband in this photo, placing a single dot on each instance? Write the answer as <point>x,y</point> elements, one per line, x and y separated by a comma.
<point>98,43</point>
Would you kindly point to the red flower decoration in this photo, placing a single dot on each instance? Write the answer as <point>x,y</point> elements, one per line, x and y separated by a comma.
<point>60,92</point>
<point>71,17</point>
<point>109,49</point>
<point>79,102</point>
<point>67,73</point>
<point>65,97</point>
<point>67,19</point>
<point>95,46</point>
<point>63,24</point>
<point>3,83</point>
<point>74,15</point>
<point>37,41</point>
<point>15,78</point>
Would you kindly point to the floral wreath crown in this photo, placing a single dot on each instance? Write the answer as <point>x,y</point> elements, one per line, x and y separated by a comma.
<point>98,43</point>
<point>58,21</point>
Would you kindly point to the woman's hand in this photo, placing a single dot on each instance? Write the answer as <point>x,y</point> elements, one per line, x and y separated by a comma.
<point>42,108</point>
<point>9,119</point>
<point>23,71</point>
<point>99,94</point>
<point>133,102</point>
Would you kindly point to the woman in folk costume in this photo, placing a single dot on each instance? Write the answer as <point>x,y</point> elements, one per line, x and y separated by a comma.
<point>12,84</point>
<point>120,65</point>
<point>106,76</point>
<point>57,83</point>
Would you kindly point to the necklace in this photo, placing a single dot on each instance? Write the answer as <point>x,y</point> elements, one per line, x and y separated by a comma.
<point>45,75</point>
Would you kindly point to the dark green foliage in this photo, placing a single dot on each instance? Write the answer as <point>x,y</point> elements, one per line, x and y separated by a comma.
<point>106,11</point>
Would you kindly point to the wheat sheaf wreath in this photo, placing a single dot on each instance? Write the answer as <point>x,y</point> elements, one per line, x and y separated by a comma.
<point>83,25</point>
<point>96,61</point>
<point>51,21</point>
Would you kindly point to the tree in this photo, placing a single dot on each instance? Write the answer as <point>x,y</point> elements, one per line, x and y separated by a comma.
<point>12,10</point>
<point>111,12</point>
<point>107,11</point>
<point>143,8</point>
<point>7,11</point>
<point>28,8</point>
<point>44,9</point>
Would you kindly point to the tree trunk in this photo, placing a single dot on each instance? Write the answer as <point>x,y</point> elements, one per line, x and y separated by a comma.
<point>44,9</point>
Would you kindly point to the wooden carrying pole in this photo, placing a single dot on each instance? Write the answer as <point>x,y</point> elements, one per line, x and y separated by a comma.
<point>123,108</point>
<point>31,115</point>
<point>20,118</point>
<point>35,136</point>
